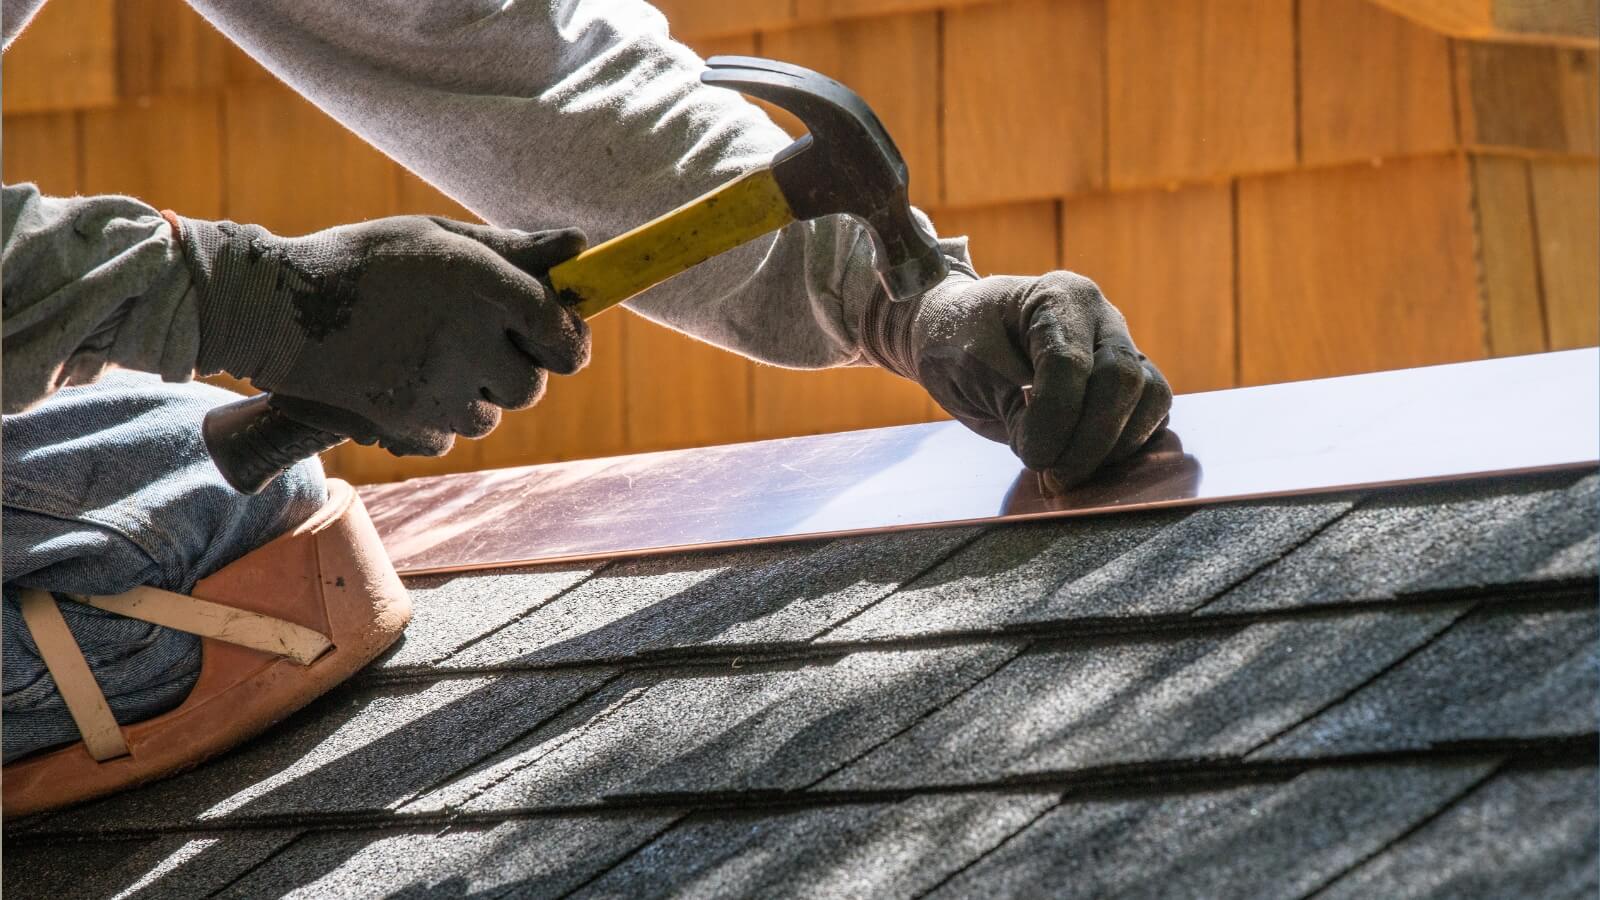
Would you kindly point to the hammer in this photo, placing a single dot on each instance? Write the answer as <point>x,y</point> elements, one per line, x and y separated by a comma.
<point>845,164</point>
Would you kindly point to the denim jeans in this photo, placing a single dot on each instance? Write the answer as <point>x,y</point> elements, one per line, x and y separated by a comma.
<point>108,486</point>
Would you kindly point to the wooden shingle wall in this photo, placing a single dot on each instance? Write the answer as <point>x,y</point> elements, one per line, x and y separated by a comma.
<point>1270,189</point>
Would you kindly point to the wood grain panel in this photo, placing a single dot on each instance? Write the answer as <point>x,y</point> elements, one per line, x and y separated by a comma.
<point>1527,98</point>
<point>1165,258</point>
<point>1199,89</point>
<point>165,47</point>
<point>680,392</point>
<point>1552,20</point>
<point>893,63</point>
<point>1016,239</point>
<point>695,19</point>
<point>1024,89</point>
<point>731,45</point>
<point>787,402</point>
<point>1357,269</point>
<point>239,67</point>
<point>1372,84</point>
<point>415,196</point>
<point>65,59</point>
<point>44,148</point>
<point>1566,200</point>
<point>1556,20</point>
<point>1508,255</point>
<point>580,416</point>
<point>828,10</point>
<point>179,160</point>
<point>294,170</point>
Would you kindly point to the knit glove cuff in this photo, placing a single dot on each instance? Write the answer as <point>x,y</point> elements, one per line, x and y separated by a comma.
<point>244,285</point>
<point>886,326</point>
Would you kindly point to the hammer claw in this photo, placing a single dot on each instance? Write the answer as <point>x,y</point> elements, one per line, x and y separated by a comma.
<point>846,164</point>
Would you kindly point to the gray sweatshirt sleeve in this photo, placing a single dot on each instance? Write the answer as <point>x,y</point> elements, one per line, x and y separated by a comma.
<point>89,282</point>
<point>553,113</point>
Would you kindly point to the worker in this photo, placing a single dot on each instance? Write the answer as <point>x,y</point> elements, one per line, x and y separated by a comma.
<point>551,119</point>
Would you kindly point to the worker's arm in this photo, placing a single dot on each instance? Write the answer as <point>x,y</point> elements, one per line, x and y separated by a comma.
<point>550,113</point>
<point>89,282</point>
<point>403,331</point>
<point>543,113</point>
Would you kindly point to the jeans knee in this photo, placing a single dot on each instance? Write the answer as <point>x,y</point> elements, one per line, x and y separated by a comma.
<point>125,455</point>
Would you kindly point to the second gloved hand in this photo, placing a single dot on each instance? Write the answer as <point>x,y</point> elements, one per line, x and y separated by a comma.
<point>403,331</point>
<point>975,343</point>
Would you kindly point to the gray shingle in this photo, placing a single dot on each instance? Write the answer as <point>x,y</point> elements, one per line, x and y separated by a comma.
<point>542,857</point>
<point>170,866</point>
<point>1342,680</point>
<point>1138,564</point>
<point>1258,841</point>
<point>733,597</point>
<point>1502,674</point>
<point>871,850</point>
<point>452,611</point>
<point>1115,703</point>
<point>1439,538</point>
<point>1523,834</point>
<point>352,750</point>
<point>760,728</point>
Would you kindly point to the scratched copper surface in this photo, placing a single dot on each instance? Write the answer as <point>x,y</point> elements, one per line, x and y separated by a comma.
<point>1466,420</point>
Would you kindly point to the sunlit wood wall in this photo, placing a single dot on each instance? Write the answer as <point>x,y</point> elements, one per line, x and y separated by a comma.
<point>1270,189</point>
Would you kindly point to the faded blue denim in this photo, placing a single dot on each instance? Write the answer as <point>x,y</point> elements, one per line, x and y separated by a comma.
<point>108,486</point>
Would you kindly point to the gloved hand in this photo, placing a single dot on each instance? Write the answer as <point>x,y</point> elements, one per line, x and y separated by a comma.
<point>975,343</point>
<point>403,331</point>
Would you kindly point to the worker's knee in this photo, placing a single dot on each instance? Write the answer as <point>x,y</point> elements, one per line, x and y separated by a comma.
<point>124,458</point>
<point>108,486</point>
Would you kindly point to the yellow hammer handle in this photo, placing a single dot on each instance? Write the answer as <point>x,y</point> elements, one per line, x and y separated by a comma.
<point>609,273</point>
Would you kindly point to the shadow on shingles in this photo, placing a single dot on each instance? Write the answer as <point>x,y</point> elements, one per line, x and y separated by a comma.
<point>757,584</point>
<point>1232,708</point>
<point>1557,521</point>
<point>416,756</point>
<point>613,765</point>
<point>1237,697</point>
<point>1429,538</point>
<point>580,864</point>
<point>699,612</point>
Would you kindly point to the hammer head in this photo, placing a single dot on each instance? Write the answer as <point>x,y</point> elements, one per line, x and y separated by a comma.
<point>846,164</point>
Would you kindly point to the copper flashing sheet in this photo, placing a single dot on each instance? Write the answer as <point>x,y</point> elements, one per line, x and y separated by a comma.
<point>1504,416</point>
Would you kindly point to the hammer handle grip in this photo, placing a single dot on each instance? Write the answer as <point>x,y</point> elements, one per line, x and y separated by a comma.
<point>252,441</point>
<point>607,274</point>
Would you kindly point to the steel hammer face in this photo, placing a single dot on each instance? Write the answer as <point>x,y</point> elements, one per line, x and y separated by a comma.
<point>847,164</point>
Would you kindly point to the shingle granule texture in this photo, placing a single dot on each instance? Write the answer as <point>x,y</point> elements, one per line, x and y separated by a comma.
<point>1380,694</point>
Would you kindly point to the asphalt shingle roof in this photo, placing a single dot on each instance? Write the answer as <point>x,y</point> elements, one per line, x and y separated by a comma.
<point>1382,694</point>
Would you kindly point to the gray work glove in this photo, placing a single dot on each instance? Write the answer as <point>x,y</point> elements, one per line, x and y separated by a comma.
<point>403,331</point>
<point>975,343</point>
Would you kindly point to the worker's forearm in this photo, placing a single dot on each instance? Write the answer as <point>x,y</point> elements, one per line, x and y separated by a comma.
<point>15,15</point>
<point>541,113</point>
<point>90,282</point>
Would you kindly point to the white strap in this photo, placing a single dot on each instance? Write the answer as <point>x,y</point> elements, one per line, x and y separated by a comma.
<point>214,620</point>
<point>64,658</point>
